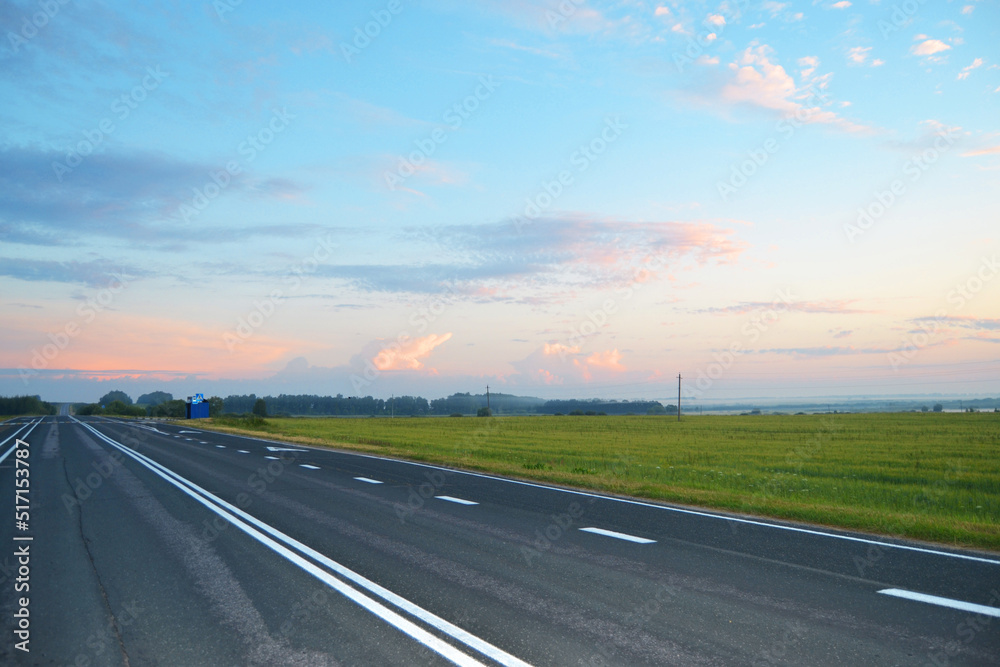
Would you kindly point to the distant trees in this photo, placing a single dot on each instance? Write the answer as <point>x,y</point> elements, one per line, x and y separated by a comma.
<point>215,406</point>
<point>460,403</point>
<point>339,405</point>
<point>154,398</point>
<point>938,407</point>
<point>113,396</point>
<point>608,407</point>
<point>175,409</point>
<point>259,408</point>
<point>25,405</point>
<point>115,408</point>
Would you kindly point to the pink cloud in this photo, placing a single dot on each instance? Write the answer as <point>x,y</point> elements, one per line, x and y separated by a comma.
<point>608,359</point>
<point>407,354</point>
<point>757,81</point>
<point>560,349</point>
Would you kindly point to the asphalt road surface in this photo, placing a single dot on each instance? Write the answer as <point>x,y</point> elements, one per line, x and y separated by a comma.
<point>161,544</point>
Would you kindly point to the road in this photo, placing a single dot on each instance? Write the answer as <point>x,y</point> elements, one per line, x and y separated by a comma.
<point>161,544</point>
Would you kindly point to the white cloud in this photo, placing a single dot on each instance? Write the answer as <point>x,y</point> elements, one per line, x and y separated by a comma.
<point>966,71</point>
<point>929,47</point>
<point>843,4</point>
<point>808,65</point>
<point>858,54</point>
<point>968,9</point>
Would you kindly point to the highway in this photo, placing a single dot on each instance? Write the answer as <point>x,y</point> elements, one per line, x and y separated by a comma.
<point>157,543</point>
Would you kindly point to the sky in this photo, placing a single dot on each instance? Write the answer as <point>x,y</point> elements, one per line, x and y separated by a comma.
<point>556,199</point>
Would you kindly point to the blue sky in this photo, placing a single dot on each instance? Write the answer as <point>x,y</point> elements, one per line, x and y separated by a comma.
<point>558,199</point>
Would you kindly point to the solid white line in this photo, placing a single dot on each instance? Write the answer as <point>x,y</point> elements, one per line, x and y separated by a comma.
<point>15,435</point>
<point>452,499</point>
<point>231,512</point>
<point>620,536</point>
<point>306,465</point>
<point>367,480</point>
<point>942,602</point>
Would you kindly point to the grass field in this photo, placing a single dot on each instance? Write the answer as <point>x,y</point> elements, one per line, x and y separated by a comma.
<point>930,476</point>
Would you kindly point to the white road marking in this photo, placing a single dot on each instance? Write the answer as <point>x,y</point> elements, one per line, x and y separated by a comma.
<point>242,451</point>
<point>187,431</point>
<point>221,446</point>
<point>202,442</point>
<point>367,480</point>
<point>257,529</point>
<point>678,510</point>
<point>620,536</point>
<point>285,449</point>
<point>666,508</point>
<point>273,458</point>
<point>306,465</point>
<point>452,499</point>
<point>942,602</point>
<point>11,437</point>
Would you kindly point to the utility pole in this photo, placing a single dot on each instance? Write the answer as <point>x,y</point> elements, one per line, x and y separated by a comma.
<point>392,401</point>
<point>488,397</point>
<point>678,397</point>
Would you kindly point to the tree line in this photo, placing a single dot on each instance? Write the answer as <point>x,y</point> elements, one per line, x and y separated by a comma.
<point>25,405</point>
<point>163,404</point>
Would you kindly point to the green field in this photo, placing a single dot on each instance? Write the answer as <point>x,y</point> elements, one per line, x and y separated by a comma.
<point>929,476</point>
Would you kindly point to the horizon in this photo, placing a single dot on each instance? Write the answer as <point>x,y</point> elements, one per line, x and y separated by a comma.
<point>567,200</point>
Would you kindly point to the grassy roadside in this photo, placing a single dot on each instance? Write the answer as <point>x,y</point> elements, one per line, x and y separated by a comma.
<point>926,476</point>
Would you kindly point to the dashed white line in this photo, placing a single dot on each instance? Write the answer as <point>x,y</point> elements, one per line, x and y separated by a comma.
<point>452,499</point>
<point>619,536</point>
<point>273,458</point>
<point>203,442</point>
<point>942,602</point>
<point>306,465</point>
<point>243,451</point>
<point>221,446</point>
<point>367,480</point>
